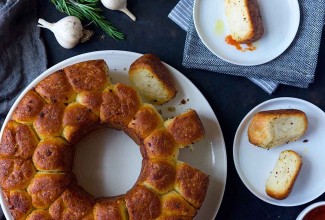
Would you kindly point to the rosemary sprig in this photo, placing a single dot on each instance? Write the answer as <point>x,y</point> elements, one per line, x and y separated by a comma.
<point>88,9</point>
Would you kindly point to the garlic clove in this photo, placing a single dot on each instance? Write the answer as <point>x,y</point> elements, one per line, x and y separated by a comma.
<point>114,4</point>
<point>118,5</point>
<point>68,31</point>
<point>128,13</point>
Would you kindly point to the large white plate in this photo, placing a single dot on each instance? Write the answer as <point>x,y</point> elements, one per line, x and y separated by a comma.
<point>280,19</point>
<point>254,164</point>
<point>108,163</point>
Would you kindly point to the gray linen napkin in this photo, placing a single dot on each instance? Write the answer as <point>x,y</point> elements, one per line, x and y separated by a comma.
<point>295,67</point>
<point>22,52</point>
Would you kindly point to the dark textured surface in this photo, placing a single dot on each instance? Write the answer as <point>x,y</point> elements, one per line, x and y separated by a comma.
<point>230,97</point>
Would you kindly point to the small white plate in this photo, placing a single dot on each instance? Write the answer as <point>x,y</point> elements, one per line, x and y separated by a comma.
<point>254,164</point>
<point>280,19</point>
<point>108,162</point>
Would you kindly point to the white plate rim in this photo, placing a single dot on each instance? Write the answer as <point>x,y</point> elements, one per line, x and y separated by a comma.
<point>103,53</point>
<point>235,154</point>
<point>296,8</point>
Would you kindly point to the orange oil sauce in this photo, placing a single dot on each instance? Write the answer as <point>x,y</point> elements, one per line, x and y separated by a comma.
<point>248,47</point>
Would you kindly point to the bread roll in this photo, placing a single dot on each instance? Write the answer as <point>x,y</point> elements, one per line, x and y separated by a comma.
<point>186,128</point>
<point>284,175</point>
<point>110,208</point>
<point>18,202</point>
<point>276,127</point>
<point>174,204</point>
<point>191,183</point>
<point>152,78</point>
<point>244,20</point>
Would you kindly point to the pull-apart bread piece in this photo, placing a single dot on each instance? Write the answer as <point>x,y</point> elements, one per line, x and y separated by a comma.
<point>284,175</point>
<point>244,20</point>
<point>152,79</point>
<point>276,127</point>
<point>38,144</point>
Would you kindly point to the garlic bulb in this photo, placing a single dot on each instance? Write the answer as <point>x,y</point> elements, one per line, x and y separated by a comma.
<point>118,5</point>
<point>68,31</point>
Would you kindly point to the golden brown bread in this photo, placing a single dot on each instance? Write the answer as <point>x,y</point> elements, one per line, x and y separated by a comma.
<point>143,123</point>
<point>186,128</point>
<point>49,121</point>
<point>276,127</point>
<point>283,177</point>
<point>16,173</point>
<point>120,103</point>
<point>152,78</point>
<point>142,203</point>
<point>174,204</point>
<point>28,108</point>
<point>36,149</point>
<point>39,214</point>
<point>45,188</point>
<point>158,175</point>
<point>244,20</point>
<point>110,208</point>
<point>18,140</point>
<point>74,203</point>
<point>191,183</point>
<point>91,100</point>
<point>56,88</point>
<point>174,217</point>
<point>18,202</point>
<point>159,144</point>
<point>53,154</point>
<point>78,121</point>
<point>88,76</point>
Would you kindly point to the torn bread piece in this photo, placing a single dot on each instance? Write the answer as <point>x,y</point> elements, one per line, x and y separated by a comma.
<point>152,79</point>
<point>272,128</point>
<point>283,177</point>
<point>244,20</point>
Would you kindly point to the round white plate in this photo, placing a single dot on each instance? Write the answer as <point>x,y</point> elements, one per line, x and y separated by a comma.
<point>280,19</point>
<point>108,162</point>
<point>254,164</point>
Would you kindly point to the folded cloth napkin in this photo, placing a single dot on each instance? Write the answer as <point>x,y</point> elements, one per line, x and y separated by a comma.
<point>22,52</point>
<point>295,67</point>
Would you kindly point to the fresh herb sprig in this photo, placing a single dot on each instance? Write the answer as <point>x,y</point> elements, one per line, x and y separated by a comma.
<point>88,9</point>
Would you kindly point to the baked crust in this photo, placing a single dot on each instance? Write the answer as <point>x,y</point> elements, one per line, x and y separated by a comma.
<point>28,108</point>
<point>88,76</point>
<point>56,88</point>
<point>15,173</point>
<point>158,86</point>
<point>142,203</point>
<point>191,183</point>
<point>53,154</point>
<point>282,179</point>
<point>174,204</point>
<point>264,126</point>
<point>244,20</point>
<point>18,202</point>
<point>74,203</point>
<point>18,140</point>
<point>49,121</point>
<point>78,121</point>
<point>159,144</point>
<point>186,128</point>
<point>45,188</point>
<point>36,149</point>
<point>39,214</point>
<point>158,175</point>
<point>110,208</point>
<point>120,104</point>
